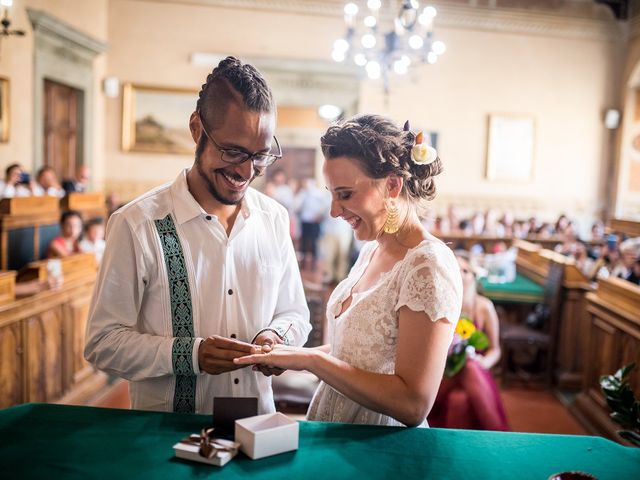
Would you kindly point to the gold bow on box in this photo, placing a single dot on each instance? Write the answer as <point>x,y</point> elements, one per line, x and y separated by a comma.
<point>209,446</point>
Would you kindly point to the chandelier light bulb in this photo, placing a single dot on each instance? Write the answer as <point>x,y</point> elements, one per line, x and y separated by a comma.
<point>338,56</point>
<point>406,60</point>
<point>425,19</point>
<point>368,41</point>
<point>438,47</point>
<point>416,42</point>
<point>400,67</point>
<point>432,58</point>
<point>351,9</point>
<point>374,4</point>
<point>6,3</point>
<point>341,45</point>
<point>360,59</point>
<point>373,70</point>
<point>414,4</point>
<point>329,112</point>
<point>370,21</point>
<point>430,11</point>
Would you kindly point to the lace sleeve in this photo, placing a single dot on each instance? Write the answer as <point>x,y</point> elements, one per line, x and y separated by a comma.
<point>432,284</point>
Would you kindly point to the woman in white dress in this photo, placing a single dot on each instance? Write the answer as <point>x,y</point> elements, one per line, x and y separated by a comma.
<point>392,319</point>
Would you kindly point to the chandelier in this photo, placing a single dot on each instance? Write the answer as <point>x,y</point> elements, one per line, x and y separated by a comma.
<point>388,40</point>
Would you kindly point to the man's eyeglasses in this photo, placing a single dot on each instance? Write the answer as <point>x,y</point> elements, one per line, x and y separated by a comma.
<point>236,157</point>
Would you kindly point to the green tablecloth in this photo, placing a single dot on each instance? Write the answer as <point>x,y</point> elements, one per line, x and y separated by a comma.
<point>55,441</point>
<point>521,290</point>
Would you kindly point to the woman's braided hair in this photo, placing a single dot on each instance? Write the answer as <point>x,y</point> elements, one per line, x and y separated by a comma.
<point>218,91</point>
<point>382,149</point>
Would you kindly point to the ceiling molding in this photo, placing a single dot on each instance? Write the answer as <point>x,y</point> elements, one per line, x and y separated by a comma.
<point>45,24</point>
<point>507,20</point>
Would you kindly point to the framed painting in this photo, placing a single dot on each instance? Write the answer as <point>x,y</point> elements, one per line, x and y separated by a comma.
<point>510,147</point>
<point>156,119</point>
<point>4,110</point>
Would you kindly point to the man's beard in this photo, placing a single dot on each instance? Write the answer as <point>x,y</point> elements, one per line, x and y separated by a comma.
<point>202,142</point>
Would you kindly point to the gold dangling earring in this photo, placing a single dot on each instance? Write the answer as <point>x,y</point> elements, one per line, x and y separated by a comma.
<point>391,224</point>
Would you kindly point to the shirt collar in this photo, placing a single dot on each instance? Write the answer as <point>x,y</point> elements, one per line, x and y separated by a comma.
<point>186,207</point>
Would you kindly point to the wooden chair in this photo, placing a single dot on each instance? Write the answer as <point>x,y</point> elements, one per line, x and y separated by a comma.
<point>542,338</point>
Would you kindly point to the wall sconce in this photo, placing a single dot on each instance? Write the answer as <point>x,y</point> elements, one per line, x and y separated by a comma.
<point>111,86</point>
<point>6,22</point>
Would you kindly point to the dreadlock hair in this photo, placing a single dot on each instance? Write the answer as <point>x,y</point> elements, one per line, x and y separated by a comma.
<point>231,81</point>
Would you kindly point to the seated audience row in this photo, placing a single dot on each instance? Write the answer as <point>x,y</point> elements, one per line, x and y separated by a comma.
<point>18,183</point>
<point>492,224</point>
<point>72,240</point>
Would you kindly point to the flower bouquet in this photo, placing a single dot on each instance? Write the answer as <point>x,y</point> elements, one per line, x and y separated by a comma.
<point>466,341</point>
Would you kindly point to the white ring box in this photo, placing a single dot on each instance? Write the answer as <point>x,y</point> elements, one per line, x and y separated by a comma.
<point>265,435</point>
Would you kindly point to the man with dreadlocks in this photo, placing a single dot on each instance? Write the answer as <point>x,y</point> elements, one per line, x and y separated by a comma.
<point>202,270</point>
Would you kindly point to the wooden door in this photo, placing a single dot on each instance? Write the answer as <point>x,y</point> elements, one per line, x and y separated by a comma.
<point>298,163</point>
<point>62,128</point>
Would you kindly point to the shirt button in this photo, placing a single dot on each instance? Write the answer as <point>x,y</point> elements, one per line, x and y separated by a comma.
<point>208,217</point>
<point>230,292</point>
<point>233,335</point>
<point>236,381</point>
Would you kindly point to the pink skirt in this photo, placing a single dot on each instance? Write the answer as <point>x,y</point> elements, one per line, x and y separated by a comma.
<point>470,400</point>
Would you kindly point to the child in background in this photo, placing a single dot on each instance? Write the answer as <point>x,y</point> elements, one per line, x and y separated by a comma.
<point>93,238</point>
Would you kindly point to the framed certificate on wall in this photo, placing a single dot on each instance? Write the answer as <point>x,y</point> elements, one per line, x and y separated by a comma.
<point>510,147</point>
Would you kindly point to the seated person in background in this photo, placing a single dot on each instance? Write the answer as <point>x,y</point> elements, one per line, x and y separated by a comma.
<point>629,252</point>
<point>70,230</point>
<point>93,238</point>
<point>113,203</point>
<point>81,181</point>
<point>16,183</point>
<point>47,183</point>
<point>32,287</point>
<point>471,399</point>
<point>634,276</point>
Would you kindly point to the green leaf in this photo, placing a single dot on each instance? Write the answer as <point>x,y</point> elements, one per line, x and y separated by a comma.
<point>624,371</point>
<point>478,340</point>
<point>455,363</point>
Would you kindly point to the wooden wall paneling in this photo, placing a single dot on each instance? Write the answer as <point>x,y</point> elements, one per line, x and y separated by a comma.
<point>7,287</point>
<point>77,311</point>
<point>45,344</point>
<point>11,365</point>
<point>48,328</point>
<point>572,347</point>
<point>613,341</point>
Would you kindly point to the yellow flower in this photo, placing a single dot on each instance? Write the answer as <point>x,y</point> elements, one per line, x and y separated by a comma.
<point>465,328</point>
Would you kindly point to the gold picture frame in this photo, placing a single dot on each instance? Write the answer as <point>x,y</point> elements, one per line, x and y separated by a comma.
<point>4,110</point>
<point>156,119</point>
<point>510,147</point>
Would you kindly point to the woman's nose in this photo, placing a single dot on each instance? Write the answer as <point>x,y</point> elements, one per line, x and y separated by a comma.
<point>336,209</point>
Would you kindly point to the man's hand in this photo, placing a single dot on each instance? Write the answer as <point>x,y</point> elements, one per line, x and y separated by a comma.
<point>267,340</point>
<point>216,354</point>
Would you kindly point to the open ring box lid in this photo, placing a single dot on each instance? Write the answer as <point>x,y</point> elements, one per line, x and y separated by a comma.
<point>265,435</point>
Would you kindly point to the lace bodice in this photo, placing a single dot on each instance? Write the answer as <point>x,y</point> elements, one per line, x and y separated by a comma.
<point>365,334</point>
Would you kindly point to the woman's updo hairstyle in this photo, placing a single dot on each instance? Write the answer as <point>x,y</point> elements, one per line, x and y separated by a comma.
<point>382,149</point>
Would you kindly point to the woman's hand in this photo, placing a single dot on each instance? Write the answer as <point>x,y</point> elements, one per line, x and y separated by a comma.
<point>281,356</point>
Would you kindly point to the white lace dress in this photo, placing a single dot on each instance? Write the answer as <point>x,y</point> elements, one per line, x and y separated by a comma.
<point>365,335</point>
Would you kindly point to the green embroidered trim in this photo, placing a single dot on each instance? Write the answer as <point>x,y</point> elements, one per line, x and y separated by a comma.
<point>184,398</point>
